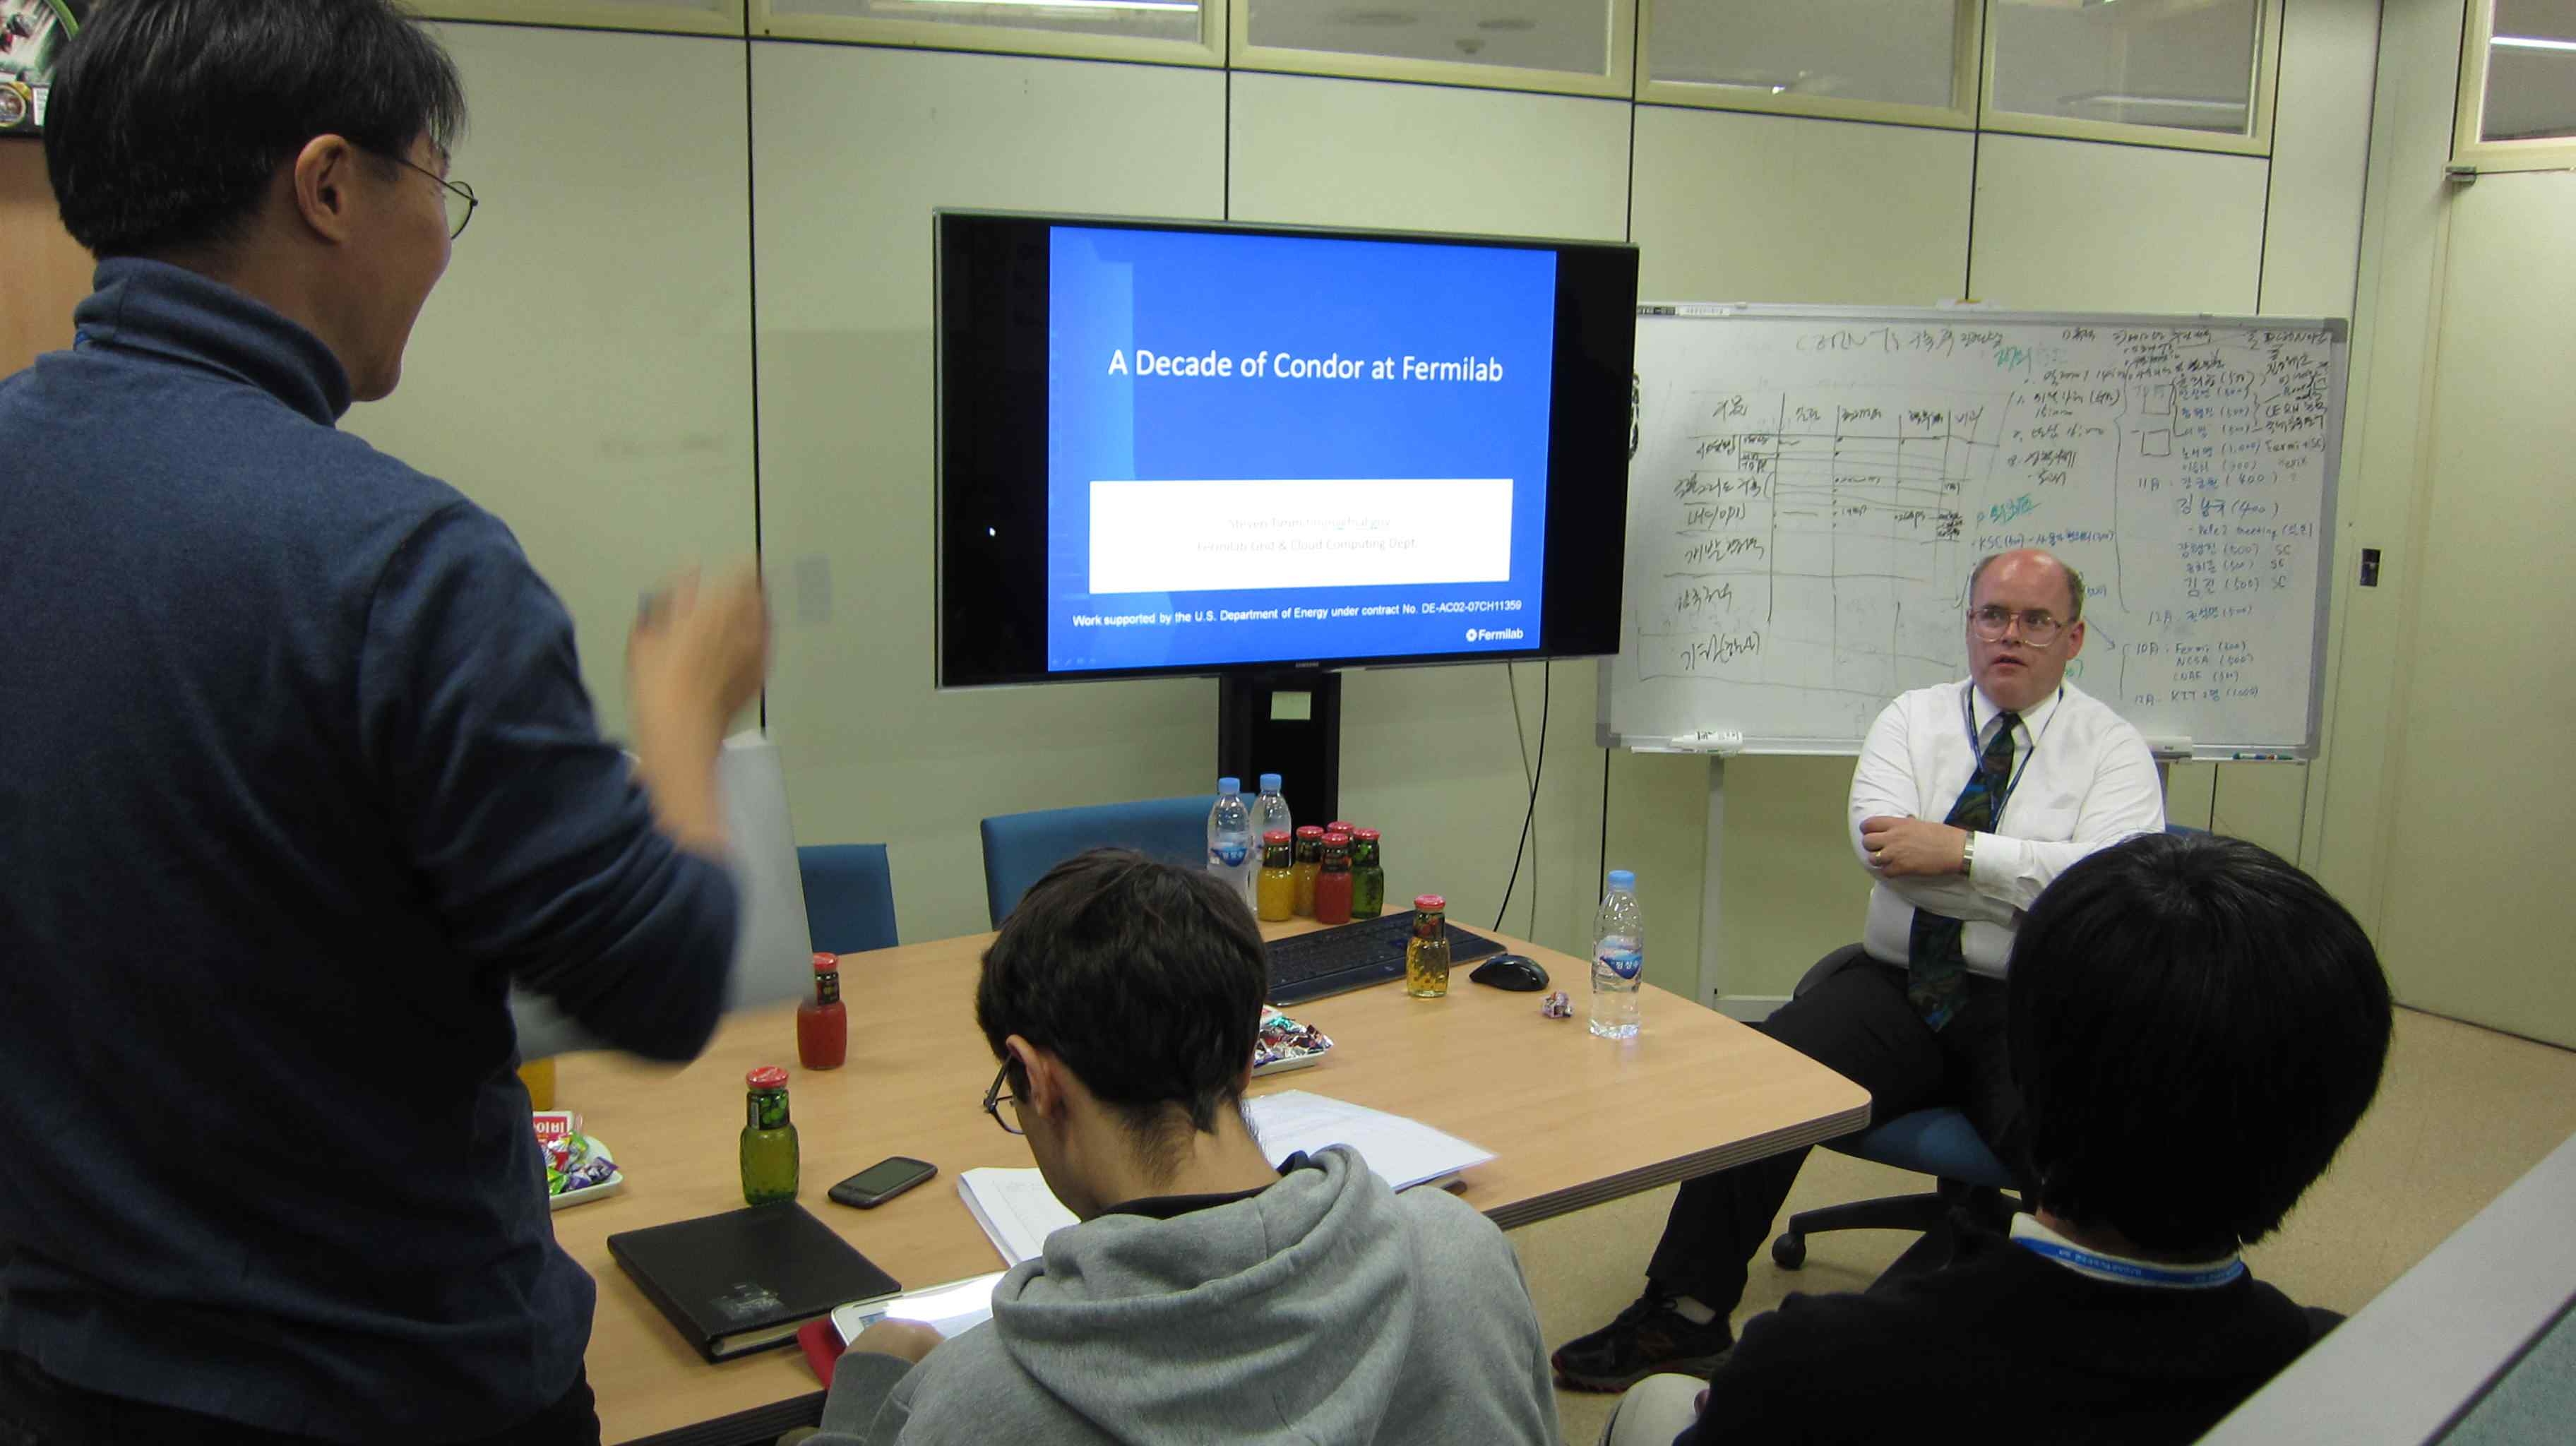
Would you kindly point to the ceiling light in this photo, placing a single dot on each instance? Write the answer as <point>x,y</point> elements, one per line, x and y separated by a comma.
<point>1771,83</point>
<point>2532,42</point>
<point>2169,102</point>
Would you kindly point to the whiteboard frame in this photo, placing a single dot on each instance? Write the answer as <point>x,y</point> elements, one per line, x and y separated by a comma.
<point>2339,329</point>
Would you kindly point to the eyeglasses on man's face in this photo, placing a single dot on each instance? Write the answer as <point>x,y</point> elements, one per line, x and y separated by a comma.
<point>459,198</point>
<point>2039,627</point>
<point>994,1100</point>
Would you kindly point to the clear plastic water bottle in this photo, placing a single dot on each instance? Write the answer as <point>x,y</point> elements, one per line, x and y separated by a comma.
<point>1229,839</point>
<point>1618,958</point>
<point>1271,810</point>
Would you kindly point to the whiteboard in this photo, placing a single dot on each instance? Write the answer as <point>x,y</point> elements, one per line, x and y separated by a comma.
<point>1811,486</point>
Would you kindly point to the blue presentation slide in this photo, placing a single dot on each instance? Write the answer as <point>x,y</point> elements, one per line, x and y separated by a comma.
<point>1279,448</point>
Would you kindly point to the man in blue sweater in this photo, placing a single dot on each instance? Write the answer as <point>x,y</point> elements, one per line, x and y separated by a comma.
<point>297,774</point>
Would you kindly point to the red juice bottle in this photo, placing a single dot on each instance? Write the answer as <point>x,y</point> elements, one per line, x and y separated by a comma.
<point>823,1022</point>
<point>1333,881</point>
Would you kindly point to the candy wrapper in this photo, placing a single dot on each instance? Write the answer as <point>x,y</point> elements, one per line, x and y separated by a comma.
<point>1285,1044</point>
<point>579,1168</point>
<point>1557,1005</point>
<point>556,1131</point>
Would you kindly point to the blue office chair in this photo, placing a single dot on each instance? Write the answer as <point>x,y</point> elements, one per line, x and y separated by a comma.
<point>849,897</point>
<point>1938,1142</point>
<point>1020,847</point>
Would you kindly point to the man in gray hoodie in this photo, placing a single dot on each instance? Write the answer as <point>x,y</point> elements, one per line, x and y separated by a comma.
<point>1206,1296</point>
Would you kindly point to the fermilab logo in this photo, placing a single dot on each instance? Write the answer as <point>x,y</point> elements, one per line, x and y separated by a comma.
<point>1493,635</point>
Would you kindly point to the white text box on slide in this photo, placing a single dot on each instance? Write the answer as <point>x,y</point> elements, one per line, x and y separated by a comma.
<point>1339,532</point>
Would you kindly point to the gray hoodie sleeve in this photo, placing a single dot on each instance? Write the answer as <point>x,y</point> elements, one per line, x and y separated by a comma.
<point>1543,1372</point>
<point>871,1398</point>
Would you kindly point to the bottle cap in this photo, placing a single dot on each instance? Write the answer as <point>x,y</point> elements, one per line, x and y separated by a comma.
<point>1623,879</point>
<point>1365,835</point>
<point>1430,903</point>
<point>1276,835</point>
<point>1337,826</point>
<point>827,963</point>
<point>1270,783</point>
<point>1310,830</point>
<point>1229,784</point>
<point>767,1077</point>
<point>1337,838</point>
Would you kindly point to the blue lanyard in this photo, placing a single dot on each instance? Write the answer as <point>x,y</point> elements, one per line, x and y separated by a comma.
<point>2135,1271</point>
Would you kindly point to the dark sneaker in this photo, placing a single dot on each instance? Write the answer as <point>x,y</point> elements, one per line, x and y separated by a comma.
<point>1649,1337</point>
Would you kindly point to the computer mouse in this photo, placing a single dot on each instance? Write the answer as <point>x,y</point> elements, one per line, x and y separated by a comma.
<point>1517,972</point>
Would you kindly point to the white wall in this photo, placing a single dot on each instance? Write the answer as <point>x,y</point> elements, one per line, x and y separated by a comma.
<point>854,149</point>
<point>2416,88</point>
<point>584,367</point>
<point>2076,226</point>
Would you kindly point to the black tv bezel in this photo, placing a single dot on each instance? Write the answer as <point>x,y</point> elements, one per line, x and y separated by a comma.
<point>993,634</point>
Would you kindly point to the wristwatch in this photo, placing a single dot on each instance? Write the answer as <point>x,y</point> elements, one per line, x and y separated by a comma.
<point>1968,855</point>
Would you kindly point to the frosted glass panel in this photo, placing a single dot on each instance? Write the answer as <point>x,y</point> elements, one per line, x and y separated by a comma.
<point>1142,19</point>
<point>2180,66</point>
<point>1561,35</point>
<point>2531,72</point>
<point>692,17</point>
<point>1879,50</point>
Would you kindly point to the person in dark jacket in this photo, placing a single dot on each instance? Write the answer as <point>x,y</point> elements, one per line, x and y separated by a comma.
<point>297,776</point>
<point>2196,1026</point>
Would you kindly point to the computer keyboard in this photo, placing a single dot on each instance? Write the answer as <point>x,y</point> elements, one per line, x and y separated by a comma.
<point>1354,956</point>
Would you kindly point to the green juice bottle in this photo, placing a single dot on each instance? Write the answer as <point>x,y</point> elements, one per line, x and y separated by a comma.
<point>768,1138</point>
<point>1368,876</point>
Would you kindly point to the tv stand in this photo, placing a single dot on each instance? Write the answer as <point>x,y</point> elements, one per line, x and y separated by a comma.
<point>1287,722</point>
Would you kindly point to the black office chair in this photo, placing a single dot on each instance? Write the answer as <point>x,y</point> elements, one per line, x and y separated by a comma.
<point>1938,1142</point>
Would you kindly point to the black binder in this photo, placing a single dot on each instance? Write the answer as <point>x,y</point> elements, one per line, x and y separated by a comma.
<point>745,1280</point>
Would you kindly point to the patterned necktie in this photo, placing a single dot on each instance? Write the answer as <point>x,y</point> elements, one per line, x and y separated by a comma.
<point>1934,967</point>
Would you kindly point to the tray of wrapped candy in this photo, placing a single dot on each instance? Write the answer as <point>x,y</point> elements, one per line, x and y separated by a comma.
<point>1284,1044</point>
<point>579,1168</point>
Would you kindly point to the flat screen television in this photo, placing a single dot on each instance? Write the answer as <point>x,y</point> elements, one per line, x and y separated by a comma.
<point>1196,448</point>
<point>32,36</point>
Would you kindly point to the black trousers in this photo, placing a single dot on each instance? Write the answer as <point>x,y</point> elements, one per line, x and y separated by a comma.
<point>1858,1024</point>
<point>37,1410</point>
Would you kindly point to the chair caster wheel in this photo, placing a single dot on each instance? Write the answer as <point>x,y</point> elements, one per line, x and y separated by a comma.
<point>1789,1252</point>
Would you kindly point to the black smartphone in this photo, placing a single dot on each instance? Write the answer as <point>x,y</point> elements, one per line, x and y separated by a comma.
<point>882,1181</point>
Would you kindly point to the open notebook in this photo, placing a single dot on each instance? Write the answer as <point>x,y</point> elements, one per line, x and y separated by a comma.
<point>1018,1212</point>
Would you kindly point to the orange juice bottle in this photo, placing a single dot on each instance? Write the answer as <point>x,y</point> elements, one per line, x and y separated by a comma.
<point>1310,862</point>
<point>1278,886</point>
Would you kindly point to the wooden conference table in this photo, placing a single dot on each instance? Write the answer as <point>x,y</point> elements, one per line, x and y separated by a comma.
<point>1572,1120</point>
